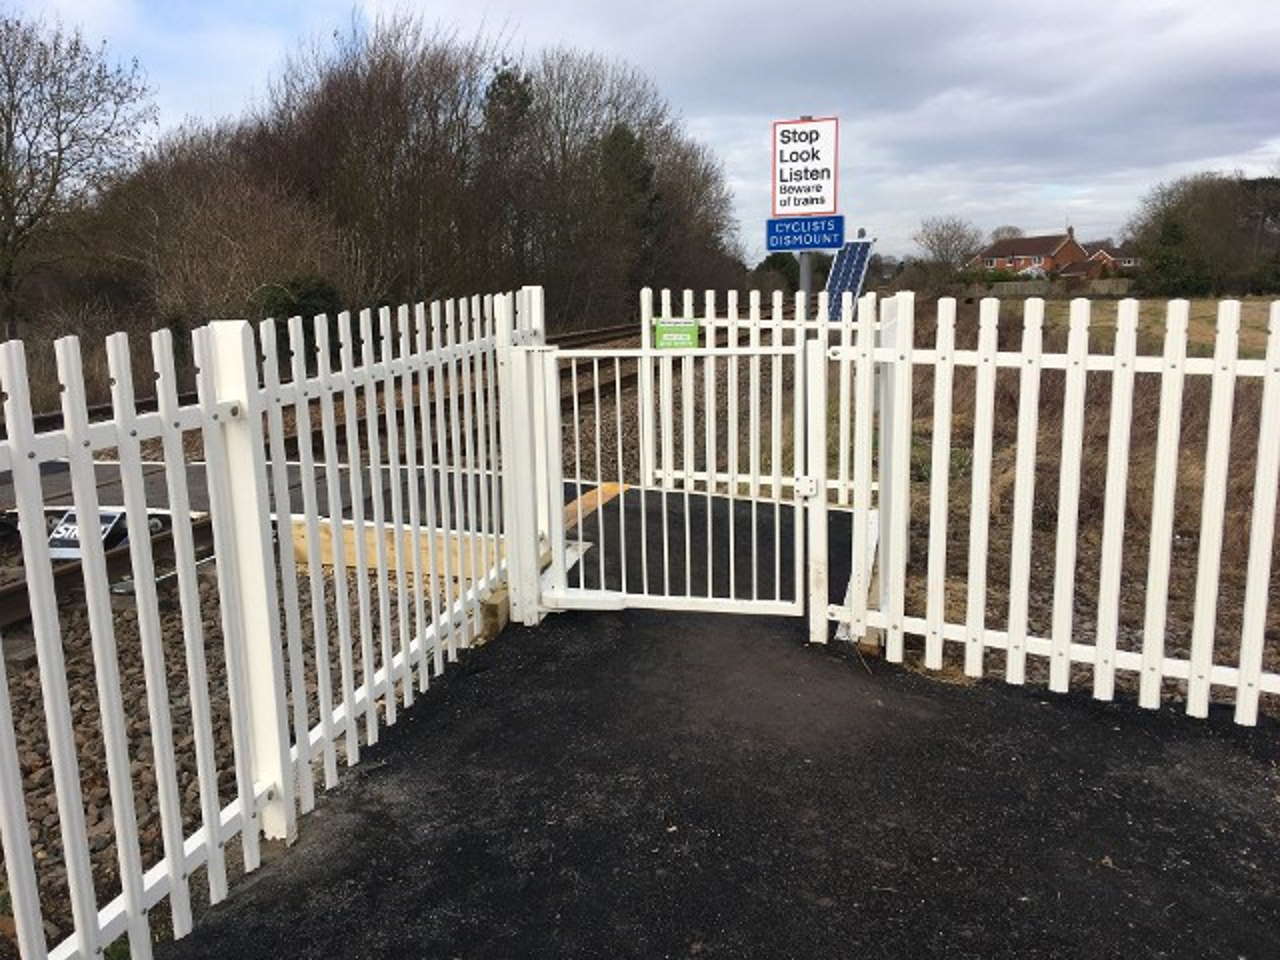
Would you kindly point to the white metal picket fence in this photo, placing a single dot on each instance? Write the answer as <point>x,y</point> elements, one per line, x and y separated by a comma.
<point>389,532</point>
<point>361,511</point>
<point>823,420</point>
<point>1214,657</point>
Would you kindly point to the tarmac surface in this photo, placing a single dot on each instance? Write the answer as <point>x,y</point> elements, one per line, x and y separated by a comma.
<point>667,784</point>
<point>651,784</point>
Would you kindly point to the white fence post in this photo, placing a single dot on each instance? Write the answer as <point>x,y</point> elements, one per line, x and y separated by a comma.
<point>535,324</point>
<point>511,521</point>
<point>236,382</point>
<point>647,439</point>
<point>815,355</point>
<point>886,336</point>
<point>521,483</point>
<point>554,458</point>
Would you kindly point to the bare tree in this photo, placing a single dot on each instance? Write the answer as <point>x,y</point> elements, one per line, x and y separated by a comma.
<point>69,120</point>
<point>949,241</point>
<point>1006,232</point>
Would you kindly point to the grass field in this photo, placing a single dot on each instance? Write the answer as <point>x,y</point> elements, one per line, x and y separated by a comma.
<point>1200,328</point>
<point>1243,439</point>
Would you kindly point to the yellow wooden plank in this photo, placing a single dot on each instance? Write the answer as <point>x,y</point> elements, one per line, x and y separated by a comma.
<point>458,547</point>
<point>590,502</point>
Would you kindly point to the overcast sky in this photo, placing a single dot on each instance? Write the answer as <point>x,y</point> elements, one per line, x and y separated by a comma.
<point>1002,113</point>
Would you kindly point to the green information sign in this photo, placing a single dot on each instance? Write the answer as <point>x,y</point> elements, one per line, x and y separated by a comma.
<point>676,335</point>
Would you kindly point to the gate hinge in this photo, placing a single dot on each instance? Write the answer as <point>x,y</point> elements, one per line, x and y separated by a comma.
<point>806,487</point>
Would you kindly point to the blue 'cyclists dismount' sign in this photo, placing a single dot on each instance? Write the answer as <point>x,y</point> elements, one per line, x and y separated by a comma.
<point>804,233</point>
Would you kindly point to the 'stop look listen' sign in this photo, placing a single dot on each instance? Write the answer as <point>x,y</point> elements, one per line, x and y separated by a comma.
<point>806,163</point>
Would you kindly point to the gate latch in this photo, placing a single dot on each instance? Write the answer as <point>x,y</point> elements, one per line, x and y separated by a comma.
<point>806,487</point>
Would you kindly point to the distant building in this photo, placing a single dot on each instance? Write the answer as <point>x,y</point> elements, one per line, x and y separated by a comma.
<point>1082,270</point>
<point>1033,256</point>
<point>1113,256</point>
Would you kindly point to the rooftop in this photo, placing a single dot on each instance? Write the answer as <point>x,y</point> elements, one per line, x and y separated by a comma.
<point>1041,246</point>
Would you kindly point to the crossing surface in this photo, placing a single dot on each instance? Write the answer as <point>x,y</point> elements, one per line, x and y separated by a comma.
<point>646,784</point>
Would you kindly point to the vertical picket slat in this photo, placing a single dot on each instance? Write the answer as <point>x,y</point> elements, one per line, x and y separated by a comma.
<point>106,662</point>
<point>462,506</point>
<point>1164,493</point>
<point>883,411</point>
<point>495,448</point>
<point>1064,580</point>
<point>480,523</point>
<point>648,444</point>
<point>391,406</point>
<point>863,400</point>
<point>666,403</point>
<point>230,602</point>
<point>48,638</point>
<point>438,577</point>
<point>440,474</point>
<point>481,348</point>
<point>980,490</point>
<point>192,619</point>
<point>554,462</point>
<point>377,483</point>
<point>577,461</point>
<point>899,474</point>
<point>352,376</point>
<point>15,839</point>
<point>489,421</point>
<point>939,481</point>
<point>315,569</point>
<point>193,636</point>
<point>599,465</point>
<point>1126,345</point>
<point>1262,533</point>
<point>142,565</point>
<point>622,511</point>
<point>753,438</point>
<point>646,476</point>
<point>1024,481</point>
<point>845,414</point>
<point>467,426</point>
<point>815,456</point>
<point>333,494</point>
<point>1213,509</point>
<point>731,362</point>
<point>409,401</point>
<point>279,471</point>
<point>709,427</point>
<point>687,400</point>
<point>775,430</point>
<point>800,462</point>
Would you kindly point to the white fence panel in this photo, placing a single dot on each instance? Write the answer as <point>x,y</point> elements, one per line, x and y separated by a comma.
<point>1070,634</point>
<point>464,398</point>
<point>272,712</point>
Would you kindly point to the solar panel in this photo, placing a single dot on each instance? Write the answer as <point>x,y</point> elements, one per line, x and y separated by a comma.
<point>847,273</point>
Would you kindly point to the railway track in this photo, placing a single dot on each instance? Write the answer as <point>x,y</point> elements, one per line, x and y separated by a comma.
<point>14,607</point>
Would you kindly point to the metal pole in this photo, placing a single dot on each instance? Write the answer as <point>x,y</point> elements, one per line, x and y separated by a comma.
<point>806,275</point>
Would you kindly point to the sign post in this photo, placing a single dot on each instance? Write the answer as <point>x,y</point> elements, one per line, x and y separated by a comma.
<point>806,175</point>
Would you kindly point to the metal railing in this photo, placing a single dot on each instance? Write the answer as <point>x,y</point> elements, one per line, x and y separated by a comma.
<point>338,585</point>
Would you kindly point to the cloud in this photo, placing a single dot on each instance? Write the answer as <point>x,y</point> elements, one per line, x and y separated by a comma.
<point>1003,115</point>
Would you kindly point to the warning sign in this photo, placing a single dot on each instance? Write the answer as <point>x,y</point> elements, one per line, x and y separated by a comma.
<point>806,166</point>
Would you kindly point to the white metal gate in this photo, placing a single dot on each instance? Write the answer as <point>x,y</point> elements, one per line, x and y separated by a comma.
<point>671,479</point>
<point>837,467</point>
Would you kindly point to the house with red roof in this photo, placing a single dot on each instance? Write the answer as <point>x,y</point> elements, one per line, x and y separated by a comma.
<point>1112,256</point>
<point>1041,255</point>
